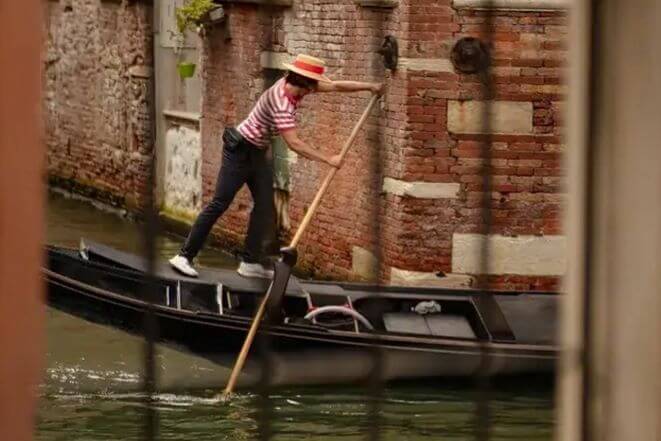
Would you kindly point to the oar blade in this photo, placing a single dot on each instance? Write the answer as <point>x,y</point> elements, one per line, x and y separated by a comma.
<point>282,273</point>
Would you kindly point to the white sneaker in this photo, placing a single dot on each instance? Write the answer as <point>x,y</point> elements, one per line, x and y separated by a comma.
<point>254,270</point>
<point>181,264</point>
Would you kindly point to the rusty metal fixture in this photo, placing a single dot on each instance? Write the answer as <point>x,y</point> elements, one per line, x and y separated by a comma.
<point>390,52</point>
<point>470,55</point>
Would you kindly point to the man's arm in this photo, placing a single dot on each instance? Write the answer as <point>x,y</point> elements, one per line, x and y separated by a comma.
<point>349,86</point>
<point>302,148</point>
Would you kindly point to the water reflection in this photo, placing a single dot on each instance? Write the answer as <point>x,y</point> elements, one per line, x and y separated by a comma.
<point>70,219</point>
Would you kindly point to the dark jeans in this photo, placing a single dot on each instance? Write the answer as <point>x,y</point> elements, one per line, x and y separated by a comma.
<point>243,163</point>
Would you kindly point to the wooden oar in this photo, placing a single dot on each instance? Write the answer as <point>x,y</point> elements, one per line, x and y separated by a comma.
<point>288,259</point>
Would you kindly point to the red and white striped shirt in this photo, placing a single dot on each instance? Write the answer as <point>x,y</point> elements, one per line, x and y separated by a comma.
<point>275,111</point>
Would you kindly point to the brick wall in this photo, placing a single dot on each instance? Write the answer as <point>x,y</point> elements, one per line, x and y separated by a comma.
<point>426,128</point>
<point>97,73</point>
<point>528,54</point>
<point>424,195</point>
<point>347,216</point>
<point>232,81</point>
<point>346,36</point>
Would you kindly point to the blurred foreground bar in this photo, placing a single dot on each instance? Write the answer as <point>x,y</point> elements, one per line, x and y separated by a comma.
<point>21,216</point>
<point>614,224</point>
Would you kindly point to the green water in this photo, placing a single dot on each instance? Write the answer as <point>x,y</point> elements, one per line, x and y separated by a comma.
<point>92,386</point>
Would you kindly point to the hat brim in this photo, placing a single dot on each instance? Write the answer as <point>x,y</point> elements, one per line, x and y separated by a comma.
<point>305,73</point>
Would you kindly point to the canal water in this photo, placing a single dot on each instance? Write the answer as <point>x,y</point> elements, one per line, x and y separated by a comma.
<point>92,384</point>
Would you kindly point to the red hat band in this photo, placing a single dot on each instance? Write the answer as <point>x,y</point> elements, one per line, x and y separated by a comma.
<point>319,70</point>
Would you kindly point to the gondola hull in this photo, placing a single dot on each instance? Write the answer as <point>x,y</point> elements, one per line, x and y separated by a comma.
<point>297,353</point>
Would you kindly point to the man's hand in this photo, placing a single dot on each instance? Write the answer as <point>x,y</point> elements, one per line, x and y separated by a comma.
<point>296,144</point>
<point>377,88</point>
<point>335,161</point>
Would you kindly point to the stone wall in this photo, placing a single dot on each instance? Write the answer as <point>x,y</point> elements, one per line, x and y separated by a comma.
<point>97,111</point>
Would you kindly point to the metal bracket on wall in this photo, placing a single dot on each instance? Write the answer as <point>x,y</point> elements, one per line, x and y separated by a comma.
<point>390,52</point>
<point>470,55</point>
<point>217,14</point>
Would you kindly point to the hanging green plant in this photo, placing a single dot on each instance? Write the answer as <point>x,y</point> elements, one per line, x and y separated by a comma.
<point>190,17</point>
<point>191,14</point>
<point>186,69</point>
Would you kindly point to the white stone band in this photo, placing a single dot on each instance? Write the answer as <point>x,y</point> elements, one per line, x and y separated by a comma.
<point>519,255</point>
<point>426,64</point>
<point>507,117</point>
<point>423,190</point>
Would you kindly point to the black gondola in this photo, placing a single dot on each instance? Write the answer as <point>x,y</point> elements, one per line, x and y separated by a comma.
<point>323,331</point>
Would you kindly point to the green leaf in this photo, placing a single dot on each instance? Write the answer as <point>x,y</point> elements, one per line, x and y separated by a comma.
<point>189,15</point>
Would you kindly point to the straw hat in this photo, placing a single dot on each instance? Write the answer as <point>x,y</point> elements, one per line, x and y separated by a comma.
<point>309,67</point>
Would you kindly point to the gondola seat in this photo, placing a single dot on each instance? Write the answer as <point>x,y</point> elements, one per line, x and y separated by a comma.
<point>447,325</point>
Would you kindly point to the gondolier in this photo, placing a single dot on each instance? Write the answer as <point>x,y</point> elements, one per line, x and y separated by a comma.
<point>245,160</point>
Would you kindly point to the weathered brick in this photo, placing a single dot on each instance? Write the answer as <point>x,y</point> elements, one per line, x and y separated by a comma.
<point>412,128</point>
<point>97,119</point>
